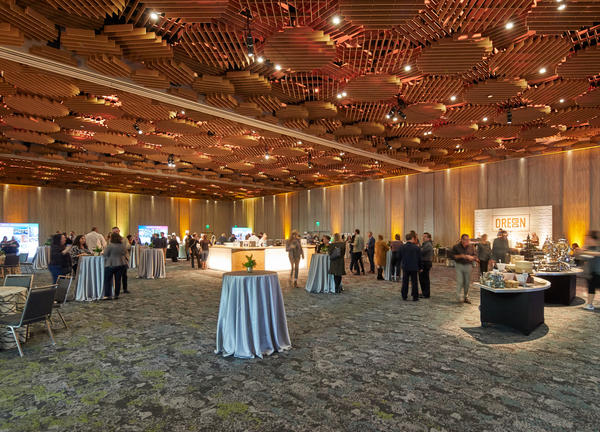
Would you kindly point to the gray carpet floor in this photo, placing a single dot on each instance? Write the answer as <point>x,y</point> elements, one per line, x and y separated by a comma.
<point>361,361</point>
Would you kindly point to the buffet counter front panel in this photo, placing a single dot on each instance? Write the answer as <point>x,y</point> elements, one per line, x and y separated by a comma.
<point>273,258</point>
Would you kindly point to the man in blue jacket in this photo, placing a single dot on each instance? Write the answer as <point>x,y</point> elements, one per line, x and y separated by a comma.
<point>370,250</point>
<point>411,264</point>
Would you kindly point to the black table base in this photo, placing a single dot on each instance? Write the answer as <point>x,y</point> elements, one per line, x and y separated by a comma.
<point>562,289</point>
<point>521,311</point>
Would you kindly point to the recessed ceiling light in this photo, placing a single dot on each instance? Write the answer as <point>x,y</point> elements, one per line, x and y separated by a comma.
<point>344,94</point>
<point>336,20</point>
<point>277,67</point>
<point>562,7</point>
<point>457,145</point>
<point>395,119</point>
<point>543,70</point>
<point>153,16</point>
<point>490,96</point>
<point>561,100</point>
<point>260,59</point>
<point>299,142</point>
<point>407,68</point>
<point>339,95</point>
<point>485,119</point>
<point>509,25</point>
<point>452,98</point>
<point>182,112</point>
<point>342,153</point>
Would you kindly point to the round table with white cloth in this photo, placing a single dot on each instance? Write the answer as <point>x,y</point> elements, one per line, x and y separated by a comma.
<point>12,300</point>
<point>151,264</point>
<point>134,256</point>
<point>90,278</point>
<point>182,251</point>
<point>319,280</point>
<point>252,318</point>
<point>41,258</point>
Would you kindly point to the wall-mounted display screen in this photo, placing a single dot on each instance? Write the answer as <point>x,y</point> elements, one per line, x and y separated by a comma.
<point>240,232</point>
<point>27,234</point>
<point>146,231</point>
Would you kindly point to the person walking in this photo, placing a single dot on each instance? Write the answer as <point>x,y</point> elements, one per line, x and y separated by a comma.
<point>294,249</point>
<point>357,247</point>
<point>380,249</point>
<point>411,264</point>
<point>591,254</point>
<point>370,250</point>
<point>396,261</point>
<point>463,254</point>
<point>484,253</point>
<point>426,264</point>
<point>337,266</point>
<point>115,260</point>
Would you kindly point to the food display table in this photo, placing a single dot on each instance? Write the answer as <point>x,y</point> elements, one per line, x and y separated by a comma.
<point>90,278</point>
<point>521,308</point>
<point>41,258</point>
<point>252,320</point>
<point>319,280</point>
<point>151,264</point>
<point>563,286</point>
<point>12,299</point>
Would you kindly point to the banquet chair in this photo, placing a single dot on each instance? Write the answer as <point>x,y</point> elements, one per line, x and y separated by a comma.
<point>11,264</point>
<point>62,294</point>
<point>19,280</point>
<point>38,307</point>
<point>26,267</point>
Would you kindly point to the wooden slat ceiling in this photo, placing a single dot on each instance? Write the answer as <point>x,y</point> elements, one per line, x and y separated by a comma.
<point>438,83</point>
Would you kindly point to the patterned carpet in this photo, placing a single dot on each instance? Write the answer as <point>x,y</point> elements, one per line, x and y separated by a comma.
<point>361,361</point>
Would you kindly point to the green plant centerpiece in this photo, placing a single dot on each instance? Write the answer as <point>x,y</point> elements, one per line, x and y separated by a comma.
<point>250,263</point>
<point>48,242</point>
<point>324,249</point>
<point>97,251</point>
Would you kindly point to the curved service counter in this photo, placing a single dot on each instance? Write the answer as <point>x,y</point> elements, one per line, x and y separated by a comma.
<point>272,258</point>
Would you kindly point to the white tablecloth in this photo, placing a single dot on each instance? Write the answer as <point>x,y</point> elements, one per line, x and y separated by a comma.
<point>182,251</point>
<point>41,258</point>
<point>134,256</point>
<point>319,280</point>
<point>151,264</point>
<point>90,278</point>
<point>387,271</point>
<point>252,318</point>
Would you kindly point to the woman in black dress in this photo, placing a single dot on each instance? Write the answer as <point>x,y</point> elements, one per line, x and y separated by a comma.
<point>337,267</point>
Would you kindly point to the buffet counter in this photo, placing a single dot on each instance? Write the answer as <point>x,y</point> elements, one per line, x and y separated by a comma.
<point>273,258</point>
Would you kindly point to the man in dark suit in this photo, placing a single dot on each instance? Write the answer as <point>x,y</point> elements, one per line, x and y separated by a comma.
<point>411,264</point>
<point>370,250</point>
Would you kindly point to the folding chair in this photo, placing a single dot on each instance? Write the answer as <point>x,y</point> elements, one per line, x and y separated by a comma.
<point>38,307</point>
<point>26,267</point>
<point>20,280</point>
<point>62,293</point>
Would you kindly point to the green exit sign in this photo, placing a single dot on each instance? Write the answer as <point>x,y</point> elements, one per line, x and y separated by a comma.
<point>318,223</point>
<point>207,226</point>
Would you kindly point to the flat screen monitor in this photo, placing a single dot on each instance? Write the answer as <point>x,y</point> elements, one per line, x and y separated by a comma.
<point>240,232</point>
<point>146,231</point>
<point>27,234</point>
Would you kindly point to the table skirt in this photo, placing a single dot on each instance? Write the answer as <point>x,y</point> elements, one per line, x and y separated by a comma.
<point>41,258</point>
<point>319,280</point>
<point>252,320</point>
<point>387,271</point>
<point>151,264</point>
<point>90,278</point>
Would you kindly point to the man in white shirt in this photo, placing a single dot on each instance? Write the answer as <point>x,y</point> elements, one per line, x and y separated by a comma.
<point>253,238</point>
<point>94,239</point>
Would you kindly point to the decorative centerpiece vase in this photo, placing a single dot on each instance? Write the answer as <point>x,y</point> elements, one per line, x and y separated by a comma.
<point>250,263</point>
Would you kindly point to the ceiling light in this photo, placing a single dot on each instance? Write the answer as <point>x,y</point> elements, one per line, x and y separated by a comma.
<point>342,153</point>
<point>509,25</point>
<point>395,119</point>
<point>561,100</point>
<point>277,67</point>
<point>260,59</point>
<point>452,98</point>
<point>509,117</point>
<point>299,142</point>
<point>182,112</point>
<point>407,68</point>
<point>457,145</point>
<point>171,161</point>
<point>562,7</point>
<point>339,95</point>
<point>267,156</point>
<point>485,119</point>
<point>153,16</point>
<point>490,96</point>
<point>344,94</point>
<point>543,70</point>
<point>336,20</point>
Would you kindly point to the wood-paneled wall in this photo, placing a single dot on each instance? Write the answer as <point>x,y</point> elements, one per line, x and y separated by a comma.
<point>79,210</point>
<point>442,202</point>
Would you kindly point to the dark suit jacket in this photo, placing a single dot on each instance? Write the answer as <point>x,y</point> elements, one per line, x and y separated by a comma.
<point>371,245</point>
<point>411,257</point>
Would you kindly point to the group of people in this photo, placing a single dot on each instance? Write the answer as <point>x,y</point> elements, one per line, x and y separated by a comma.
<point>9,247</point>
<point>197,248</point>
<point>66,251</point>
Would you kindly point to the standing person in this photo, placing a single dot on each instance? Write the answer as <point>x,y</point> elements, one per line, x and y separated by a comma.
<point>222,239</point>
<point>188,242</point>
<point>370,250</point>
<point>60,258</point>
<point>295,253</point>
<point>78,250</point>
<point>396,262</point>
<point>463,254</point>
<point>337,266</point>
<point>380,250</point>
<point>71,238</point>
<point>411,264</point>
<point>484,253</point>
<point>500,247</point>
<point>325,241</point>
<point>262,242</point>
<point>591,254</point>
<point>195,250</point>
<point>4,244</point>
<point>349,249</point>
<point>204,248</point>
<point>11,247</point>
<point>115,259</point>
<point>357,248</point>
<point>163,242</point>
<point>174,248</point>
<point>95,240</point>
<point>127,247</point>
<point>426,264</point>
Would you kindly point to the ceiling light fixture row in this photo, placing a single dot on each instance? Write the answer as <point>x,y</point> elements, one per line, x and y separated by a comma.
<point>396,111</point>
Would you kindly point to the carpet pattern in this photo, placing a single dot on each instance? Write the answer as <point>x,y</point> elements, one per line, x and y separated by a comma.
<point>361,361</point>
